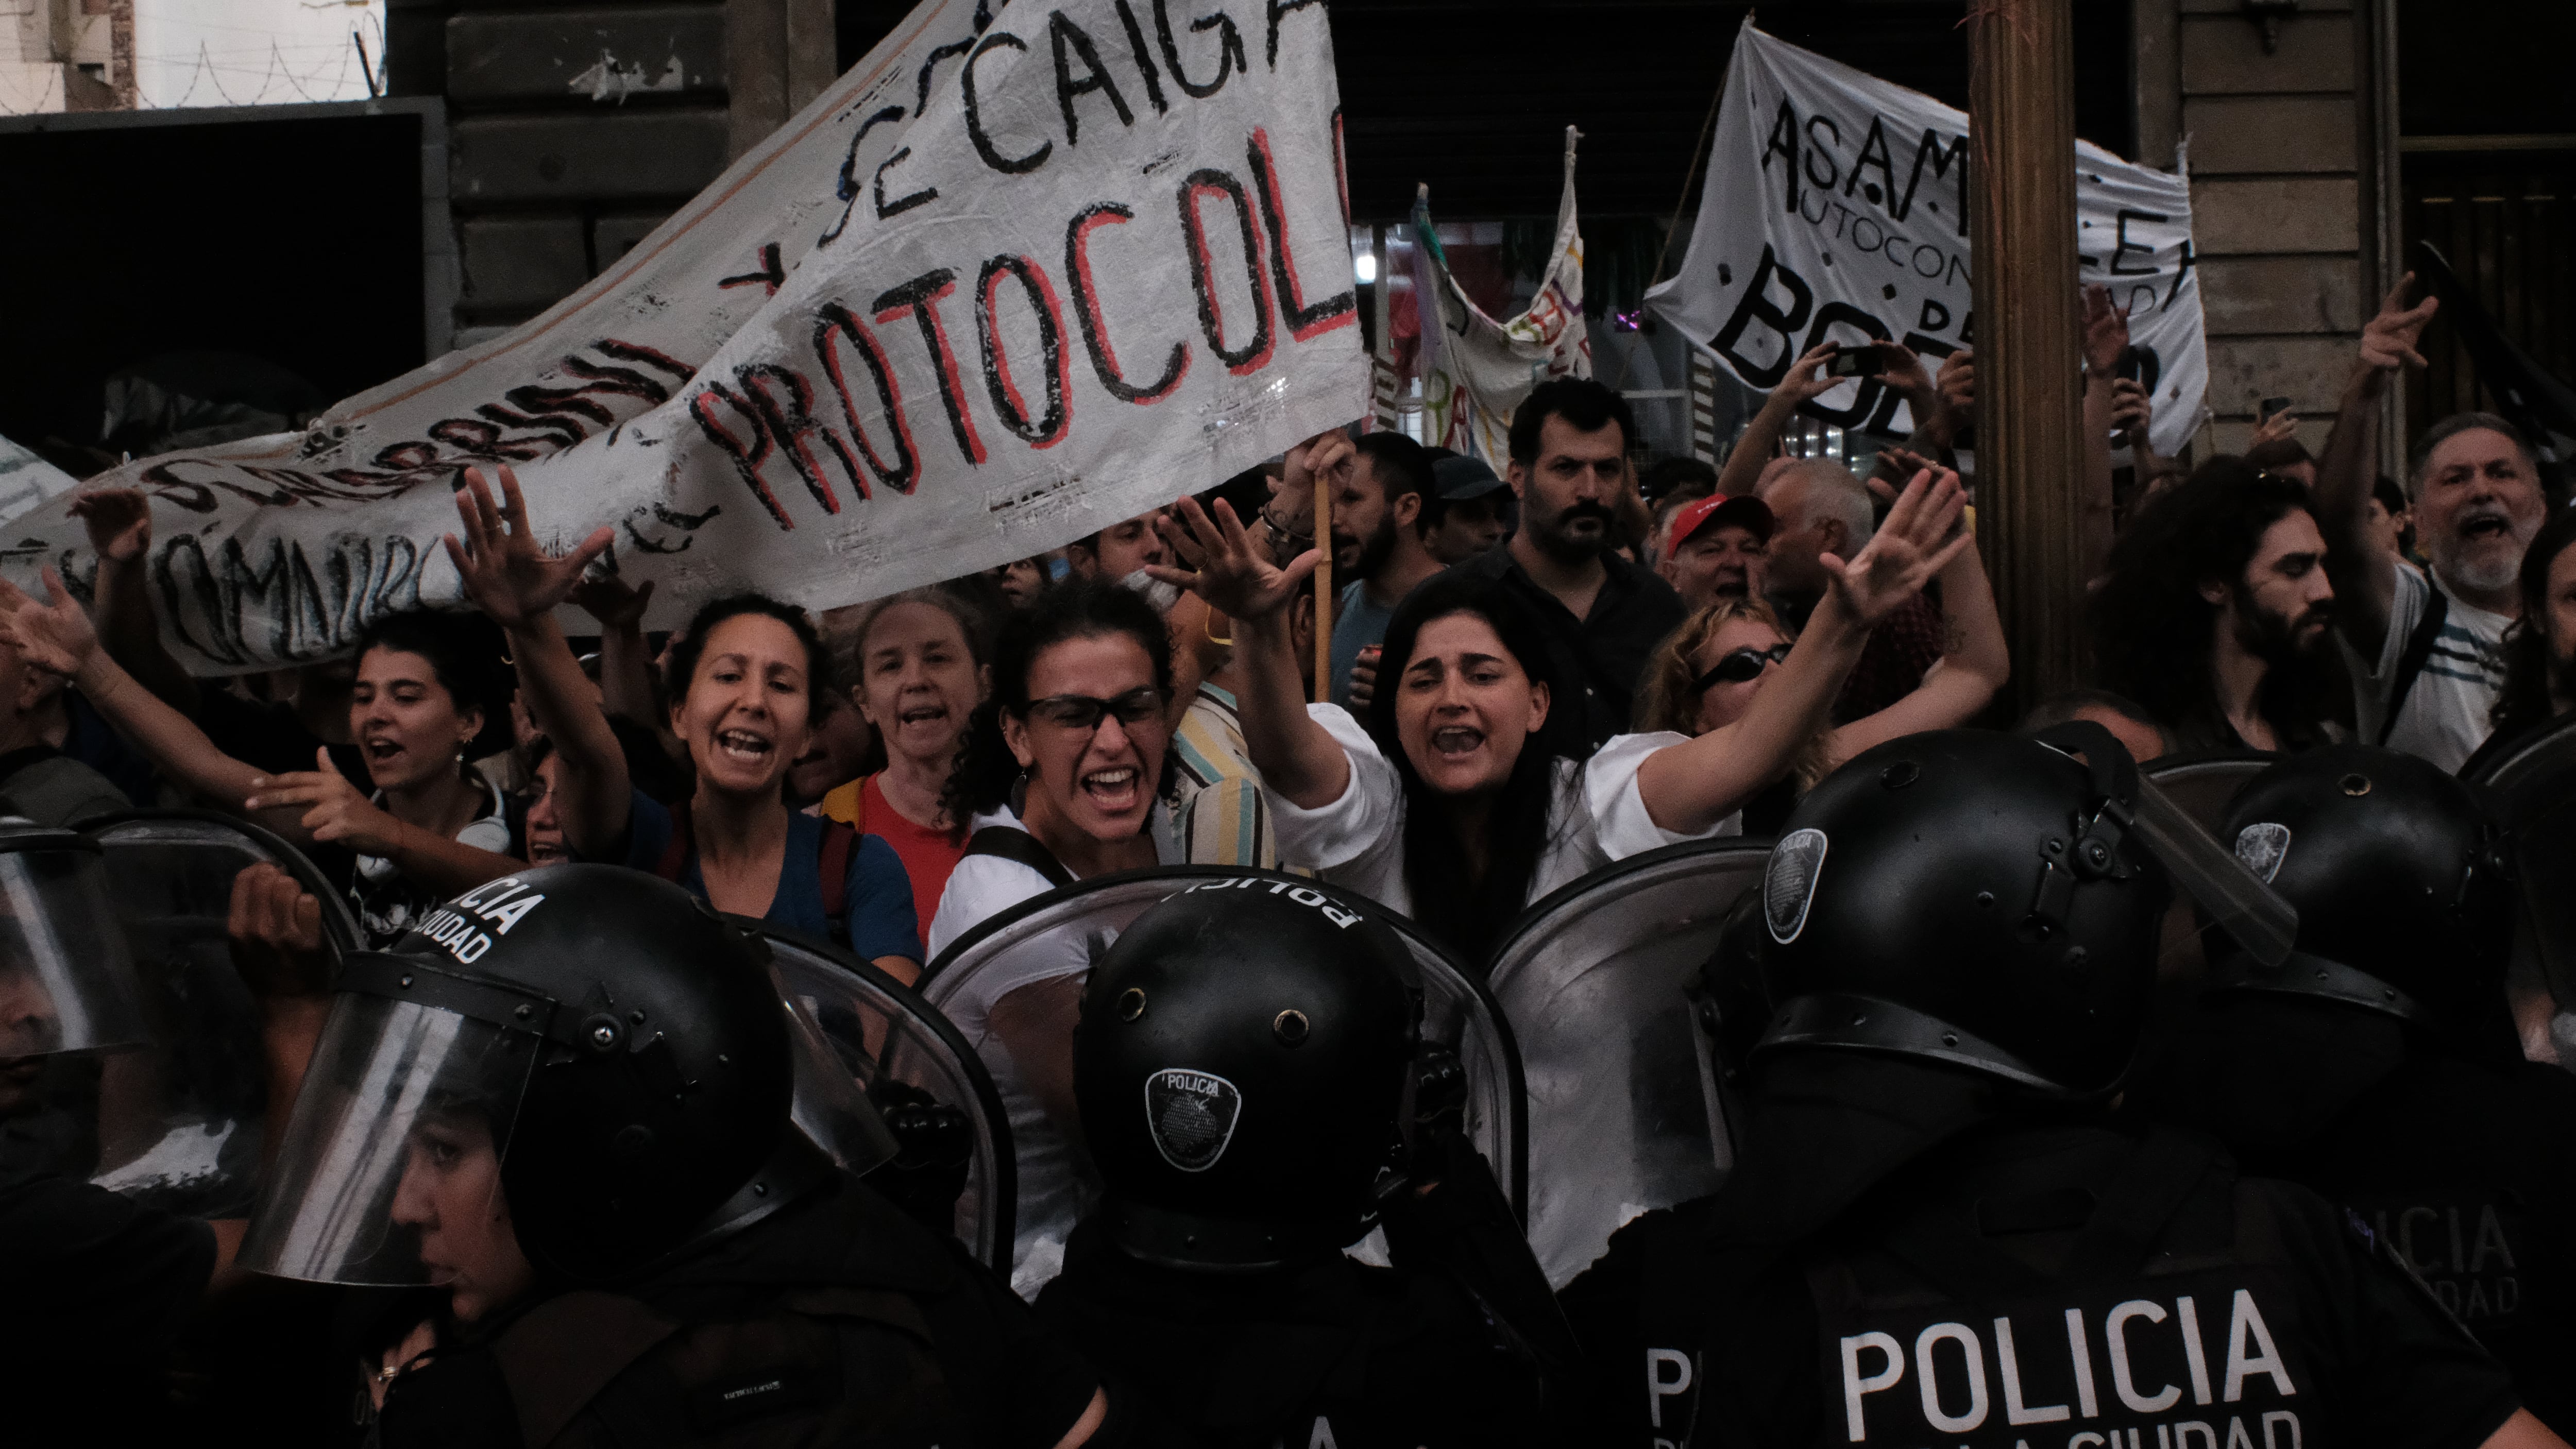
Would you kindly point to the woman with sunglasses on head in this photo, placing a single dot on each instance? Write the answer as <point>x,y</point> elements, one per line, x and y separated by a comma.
<point>1705,678</point>
<point>1448,805</point>
<point>744,680</point>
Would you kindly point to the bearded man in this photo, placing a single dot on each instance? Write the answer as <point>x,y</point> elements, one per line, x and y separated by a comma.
<point>2216,611</point>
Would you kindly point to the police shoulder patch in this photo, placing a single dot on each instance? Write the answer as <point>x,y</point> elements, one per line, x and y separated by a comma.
<point>2261,847</point>
<point>1789,882</point>
<point>1191,1115</point>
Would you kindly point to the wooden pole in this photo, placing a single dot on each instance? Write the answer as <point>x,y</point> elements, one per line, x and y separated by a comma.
<point>2030,454</point>
<point>1323,589</point>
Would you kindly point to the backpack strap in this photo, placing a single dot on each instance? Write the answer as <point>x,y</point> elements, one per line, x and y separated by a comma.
<point>839,846</point>
<point>674,864</point>
<point>559,1355</point>
<point>1014,844</point>
<point>2418,651</point>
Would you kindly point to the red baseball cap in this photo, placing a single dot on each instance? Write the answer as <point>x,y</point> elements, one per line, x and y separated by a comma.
<point>1741,509</point>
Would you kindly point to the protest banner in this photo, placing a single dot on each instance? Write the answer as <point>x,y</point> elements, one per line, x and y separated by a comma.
<point>1476,370</point>
<point>1013,278</point>
<point>1837,209</point>
<point>27,480</point>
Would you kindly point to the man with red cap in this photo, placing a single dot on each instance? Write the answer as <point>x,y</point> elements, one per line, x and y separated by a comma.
<point>1718,548</point>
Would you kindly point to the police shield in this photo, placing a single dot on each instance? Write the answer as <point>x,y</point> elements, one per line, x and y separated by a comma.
<point>1622,1112</point>
<point>175,1123</point>
<point>2203,783</point>
<point>1013,985</point>
<point>2530,785</point>
<point>878,1033</point>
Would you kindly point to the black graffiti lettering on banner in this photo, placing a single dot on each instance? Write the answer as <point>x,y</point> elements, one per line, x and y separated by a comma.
<point>1048,428</point>
<point>1229,49</point>
<point>921,297</point>
<point>748,450</point>
<point>984,147</point>
<point>1304,322</point>
<point>539,420</point>
<point>1822,139</point>
<point>1144,57</point>
<point>847,189</point>
<point>210,603</point>
<point>1276,11</point>
<point>1780,322</point>
<point>1072,42</point>
<point>1095,329</point>
<point>791,424</point>
<point>835,326</point>
<point>1199,185</point>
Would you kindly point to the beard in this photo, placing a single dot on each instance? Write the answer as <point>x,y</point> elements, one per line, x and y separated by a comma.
<point>2471,563</point>
<point>1374,552</point>
<point>2281,640</point>
<point>1556,539</point>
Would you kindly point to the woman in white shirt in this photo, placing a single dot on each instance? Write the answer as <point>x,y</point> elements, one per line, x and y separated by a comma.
<point>1447,806</point>
<point>1064,773</point>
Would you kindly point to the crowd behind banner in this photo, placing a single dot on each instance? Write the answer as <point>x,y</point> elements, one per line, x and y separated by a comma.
<point>1532,676</point>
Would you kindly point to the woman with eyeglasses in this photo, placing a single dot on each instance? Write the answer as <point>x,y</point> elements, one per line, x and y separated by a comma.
<point>1708,676</point>
<point>1448,805</point>
<point>745,678</point>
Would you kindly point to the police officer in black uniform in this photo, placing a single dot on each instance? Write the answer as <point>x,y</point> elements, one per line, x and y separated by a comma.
<point>1241,1061</point>
<point>1931,1236</point>
<point>564,1101</point>
<point>2379,1064</point>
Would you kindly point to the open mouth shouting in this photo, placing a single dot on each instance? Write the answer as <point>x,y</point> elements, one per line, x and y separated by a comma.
<point>744,747</point>
<point>1457,741</point>
<point>383,749</point>
<point>1112,791</point>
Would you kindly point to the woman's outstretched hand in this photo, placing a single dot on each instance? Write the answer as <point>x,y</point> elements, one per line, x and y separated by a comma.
<point>503,571</point>
<point>1907,550</point>
<point>1227,568</point>
<point>56,637</point>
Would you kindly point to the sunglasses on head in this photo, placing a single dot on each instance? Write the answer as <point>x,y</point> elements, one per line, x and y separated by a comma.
<point>1083,712</point>
<point>1739,665</point>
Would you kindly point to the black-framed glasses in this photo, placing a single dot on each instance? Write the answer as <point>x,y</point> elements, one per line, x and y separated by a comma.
<point>1739,665</point>
<point>1083,712</point>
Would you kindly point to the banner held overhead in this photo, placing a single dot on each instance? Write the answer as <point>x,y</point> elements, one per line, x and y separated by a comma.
<point>1836,208</point>
<point>1015,277</point>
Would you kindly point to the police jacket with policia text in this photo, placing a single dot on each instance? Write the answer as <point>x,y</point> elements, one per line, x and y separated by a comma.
<point>2060,1287</point>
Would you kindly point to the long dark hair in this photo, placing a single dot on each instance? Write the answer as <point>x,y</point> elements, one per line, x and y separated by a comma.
<point>467,658</point>
<point>691,646</point>
<point>1465,911</point>
<point>2524,701</point>
<point>2152,632</point>
<point>1074,609</point>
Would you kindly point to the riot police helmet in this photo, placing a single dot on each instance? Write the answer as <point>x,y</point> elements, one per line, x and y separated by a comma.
<point>1981,900</point>
<point>67,979</point>
<point>1239,1064</point>
<point>2403,884</point>
<point>588,1054</point>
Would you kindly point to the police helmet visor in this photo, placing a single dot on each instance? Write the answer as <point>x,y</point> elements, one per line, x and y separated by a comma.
<point>2531,786</point>
<point>390,1170</point>
<point>2233,897</point>
<point>830,1108</point>
<point>66,973</point>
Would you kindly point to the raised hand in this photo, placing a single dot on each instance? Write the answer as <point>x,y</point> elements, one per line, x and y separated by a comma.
<point>2280,425</point>
<point>615,603</point>
<point>1958,382</point>
<point>2388,340</point>
<point>119,521</point>
<point>55,637</point>
<point>1227,569</point>
<point>339,814</point>
<point>1907,550</point>
<point>1801,383</point>
<point>2132,410</point>
<point>2106,331</point>
<point>502,569</point>
<point>276,931</point>
<point>1905,373</point>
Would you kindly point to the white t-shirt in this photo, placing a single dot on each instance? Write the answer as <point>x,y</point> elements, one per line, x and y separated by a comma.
<point>1357,841</point>
<point>1052,1192</point>
<point>2444,717</point>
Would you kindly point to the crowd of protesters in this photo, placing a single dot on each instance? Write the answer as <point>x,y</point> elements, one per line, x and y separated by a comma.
<point>1532,675</point>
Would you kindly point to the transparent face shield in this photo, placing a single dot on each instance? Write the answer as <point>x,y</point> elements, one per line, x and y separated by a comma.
<point>390,1171</point>
<point>830,1108</point>
<point>66,975</point>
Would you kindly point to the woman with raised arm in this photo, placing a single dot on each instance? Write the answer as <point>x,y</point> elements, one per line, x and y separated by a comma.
<point>743,682</point>
<point>1446,806</point>
<point>1707,674</point>
<point>425,828</point>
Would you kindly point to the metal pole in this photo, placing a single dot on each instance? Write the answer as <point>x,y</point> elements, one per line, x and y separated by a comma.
<point>1323,589</point>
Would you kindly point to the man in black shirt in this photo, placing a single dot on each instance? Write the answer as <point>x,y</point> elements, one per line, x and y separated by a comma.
<point>1604,615</point>
<point>1932,1235</point>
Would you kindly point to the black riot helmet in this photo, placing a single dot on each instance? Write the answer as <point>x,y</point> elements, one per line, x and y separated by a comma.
<point>1239,1063</point>
<point>593,1051</point>
<point>1982,900</point>
<point>67,980</point>
<point>2406,901</point>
